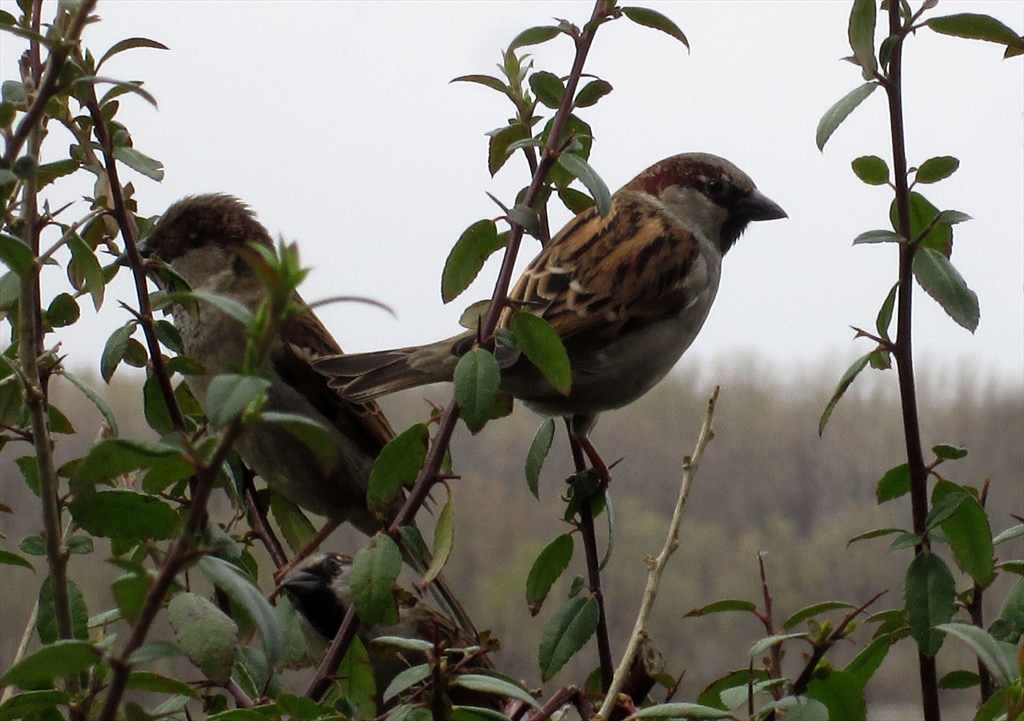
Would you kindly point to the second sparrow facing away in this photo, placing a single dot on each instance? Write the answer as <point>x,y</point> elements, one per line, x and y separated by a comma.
<point>202,238</point>
<point>627,293</point>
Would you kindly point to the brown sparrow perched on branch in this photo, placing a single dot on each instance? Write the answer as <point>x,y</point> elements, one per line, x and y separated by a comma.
<point>319,588</point>
<point>200,238</point>
<point>627,293</point>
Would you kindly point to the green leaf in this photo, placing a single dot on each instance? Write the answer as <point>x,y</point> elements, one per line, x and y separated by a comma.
<point>539,447</point>
<point>969,533</point>
<point>548,88</point>
<point>861,33</point>
<point>83,258</point>
<point>114,350</point>
<point>128,44</point>
<point>247,594</point>
<point>46,621</point>
<point>948,453</point>
<point>115,456</point>
<point>62,311</point>
<point>154,407</point>
<point>863,666</point>
<point>959,679</point>
<point>722,606</point>
<point>355,680</point>
<point>534,36</point>
<point>498,150</point>
<point>874,533</point>
<point>976,27</point>
<point>374,571</point>
<point>929,593</point>
<point>312,434</point>
<point>542,346</point>
<point>208,636</point>
<point>149,681</point>
<point>231,394</point>
<point>844,384</point>
<point>295,526</point>
<point>894,484</point>
<point>477,377</point>
<point>54,660</point>
<point>125,515</point>
<point>591,93</point>
<point>13,559</point>
<point>841,693</point>
<point>485,80</point>
<point>398,464</point>
<point>496,686</point>
<point>811,611</point>
<point>30,704</point>
<point>944,283</point>
<point>444,538</point>
<point>884,318</point>
<point>680,710</point>
<point>566,633</point>
<point>767,642</point>
<point>1009,534</point>
<point>33,546</point>
<point>654,19</point>
<point>130,595</point>
<point>547,569</point>
<point>228,306</point>
<point>476,244</point>
<point>1009,626</point>
<point>835,115</point>
<point>49,172</point>
<point>935,169</point>
<point>15,254</point>
<point>998,657</point>
<point>406,680</point>
<point>579,168</point>
<point>575,200</point>
<point>150,167</point>
<point>871,169</point>
<point>155,651</point>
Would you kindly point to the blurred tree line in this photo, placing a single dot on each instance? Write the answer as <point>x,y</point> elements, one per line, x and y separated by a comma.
<point>767,483</point>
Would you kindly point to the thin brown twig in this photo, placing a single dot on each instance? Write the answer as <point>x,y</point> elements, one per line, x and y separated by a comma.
<point>656,566</point>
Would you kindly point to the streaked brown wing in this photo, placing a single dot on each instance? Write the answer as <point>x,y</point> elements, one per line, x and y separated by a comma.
<point>305,340</point>
<point>599,273</point>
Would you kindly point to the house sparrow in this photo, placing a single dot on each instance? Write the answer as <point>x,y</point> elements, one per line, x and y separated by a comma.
<point>319,589</point>
<point>627,293</point>
<point>200,238</point>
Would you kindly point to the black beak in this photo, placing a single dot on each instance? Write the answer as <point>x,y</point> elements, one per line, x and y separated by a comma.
<point>302,582</point>
<point>144,250</point>
<point>758,206</point>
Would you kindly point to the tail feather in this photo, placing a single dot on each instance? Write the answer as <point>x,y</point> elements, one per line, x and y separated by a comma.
<point>362,377</point>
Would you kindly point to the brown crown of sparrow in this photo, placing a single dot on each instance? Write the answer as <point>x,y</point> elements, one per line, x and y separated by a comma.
<point>202,238</point>
<point>626,292</point>
<point>319,589</point>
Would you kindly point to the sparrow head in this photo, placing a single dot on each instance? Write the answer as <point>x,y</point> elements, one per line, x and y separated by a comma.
<point>200,234</point>
<point>708,195</point>
<point>320,591</point>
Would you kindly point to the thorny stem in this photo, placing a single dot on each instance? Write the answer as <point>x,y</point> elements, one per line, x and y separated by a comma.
<point>129,233</point>
<point>258,521</point>
<point>656,566</point>
<point>428,475</point>
<point>903,351</point>
<point>169,568</point>
<point>48,85</point>
<point>586,526</point>
<point>775,670</point>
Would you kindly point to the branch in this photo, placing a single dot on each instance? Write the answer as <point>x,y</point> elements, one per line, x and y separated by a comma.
<point>903,351</point>
<point>129,233</point>
<point>54,66</point>
<point>656,566</point>
<point>172,564</point>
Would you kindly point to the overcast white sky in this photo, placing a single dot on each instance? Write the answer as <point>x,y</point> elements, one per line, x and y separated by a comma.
<point>336,121</point>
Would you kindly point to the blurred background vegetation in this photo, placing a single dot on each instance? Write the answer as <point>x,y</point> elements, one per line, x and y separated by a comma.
<point>768,483</point>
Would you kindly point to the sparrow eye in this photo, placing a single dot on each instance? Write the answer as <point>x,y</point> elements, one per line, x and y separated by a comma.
<point>193,240</point>
<point>715,188</point>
